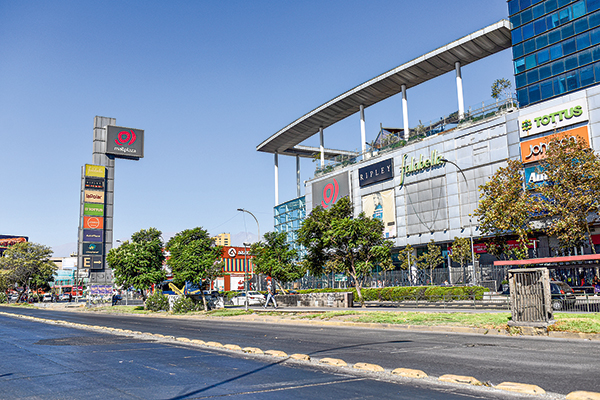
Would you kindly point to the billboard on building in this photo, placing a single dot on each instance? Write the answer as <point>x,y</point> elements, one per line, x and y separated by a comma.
<point>327,192</point>
<point>124,142</point>
<point>552,118</point>
<point>535,149</point>
<point>9,240</point>
<point>382,205</point>
<point>377,172</point>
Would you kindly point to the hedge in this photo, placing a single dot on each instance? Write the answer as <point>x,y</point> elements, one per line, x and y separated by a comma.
<point>401,293</point>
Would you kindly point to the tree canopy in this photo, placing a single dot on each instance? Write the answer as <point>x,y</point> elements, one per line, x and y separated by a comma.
<point>275,258</point>
<point>139,263</point>
<point>430,259</point>
<point>337,242</point>
<point>461,252</point>
<point>26,264</point>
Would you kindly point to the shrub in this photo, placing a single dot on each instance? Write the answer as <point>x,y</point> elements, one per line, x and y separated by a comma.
<point>186,304</point>
<point>3,298</point>
<point>157,302</point>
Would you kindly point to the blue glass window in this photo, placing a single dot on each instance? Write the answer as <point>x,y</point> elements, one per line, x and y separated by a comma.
<point>541,41</point>
<point>563,3</point>
<point>520,80</point>
<point>555,20</point>
<point>583,41</point>
<point>523,4</point>
<point>553,36</point>
<point>545,72</point>
<point>585,57</point>
<point>594,19</point>
<point>538,11</point>
<point>539,26</point>
<point>592,5</point>
<point>513,7</point>
<point>528,31</point>
<point>578,9</point>
<point>549,4</point>
<point>533,76</point>
<point>596,53</point>
<point>517,36</point>
<point>568,46</point>
<point>519,65</point>
<point>558,67</point>
<point>597,71</point>
<point>581,25</point>
<point>518,51</point>
<point>529,46</point>
<point>560,85</point>
<point>522,97</point>
<point>595,35</point>
<point>573,80</point>
<point>546,89</point>
<point>526,16</point>
<point>530,61</point>
<point>534,93</point>
<point>571,62</point>
<point>543,57</point>
<point>556,51</point>
<point>587,75</point>
<point>515,20</point>
<point>567,31</point>
<point>565,15</point>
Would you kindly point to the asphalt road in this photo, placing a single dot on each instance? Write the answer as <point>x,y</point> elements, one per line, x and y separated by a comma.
<point>44,361</point>
<point>556,365</point>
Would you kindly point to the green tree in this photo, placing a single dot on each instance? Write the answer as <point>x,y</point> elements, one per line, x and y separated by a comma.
<point>275,258</point>
<point>139,263</point>
<point>501,89</point>
<point>194,258</point>
<point>430,259</point>
<point>571,193</point>
<point>505,208</point>
<point>337,242</point>
<point>27,264</point>
<point>461,252</point>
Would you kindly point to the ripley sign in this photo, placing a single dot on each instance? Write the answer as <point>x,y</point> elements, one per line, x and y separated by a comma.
<point>377,172</point>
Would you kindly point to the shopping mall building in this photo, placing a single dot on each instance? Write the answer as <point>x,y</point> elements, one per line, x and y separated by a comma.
<point>423,181</point>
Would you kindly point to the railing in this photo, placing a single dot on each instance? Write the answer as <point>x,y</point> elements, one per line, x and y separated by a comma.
<point>474,114</point>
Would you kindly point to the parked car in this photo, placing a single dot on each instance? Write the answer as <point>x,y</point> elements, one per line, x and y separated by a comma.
<point>562,295</point>
<point>47,298</point>
<point>64,297</point>
<point>254,299</point>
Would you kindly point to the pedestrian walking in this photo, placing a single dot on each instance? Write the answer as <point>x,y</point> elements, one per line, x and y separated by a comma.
<point>270,295</point>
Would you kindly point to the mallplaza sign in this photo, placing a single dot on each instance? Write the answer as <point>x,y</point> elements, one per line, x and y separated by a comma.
<point>553,118</point>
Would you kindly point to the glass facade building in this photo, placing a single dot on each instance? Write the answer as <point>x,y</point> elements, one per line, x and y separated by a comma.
<point>556,47</point>
<point>288,218</point>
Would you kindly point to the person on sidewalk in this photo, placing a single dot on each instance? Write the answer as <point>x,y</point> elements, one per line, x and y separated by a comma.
<point>270,295</point>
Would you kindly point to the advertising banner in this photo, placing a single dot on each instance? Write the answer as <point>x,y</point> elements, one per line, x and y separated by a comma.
<point>124,142</point>
<point>93,196</point>
<point>93,209</point>
<point>93,235</point>
<point>93,223</point>
<point>534,176</point>
<point>97,171</point>
<point>92,249</point>
<point>377,172</point>
<point>327,192</point>
<point>382,206</point>
<point>535,149</point>
<point>553,118</point>
<point>94,183</point>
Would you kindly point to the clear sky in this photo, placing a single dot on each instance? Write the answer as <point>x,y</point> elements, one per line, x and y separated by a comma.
<point>207,81</point>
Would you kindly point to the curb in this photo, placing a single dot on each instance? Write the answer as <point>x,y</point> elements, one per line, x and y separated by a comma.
<point>409,373</point>
<point>583,395</point>
<point>336,362</point>
<point>465,380</point>
<point>520,388</point>
<point>369,367</point>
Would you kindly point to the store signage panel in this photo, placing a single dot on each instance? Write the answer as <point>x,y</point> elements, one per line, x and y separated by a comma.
<point>552,118</point>
<point>327,192</point>
<point>93,235</point>
<point>124,142</point>
<point>93,196</point>
<point>414,165</point>
<point>93,223</point>
<point>535,149</point>
<point>377,172</point>
<point>92,262</point>
<point>535,176</point>
<point>97,171</point>
<point>92,249</point>
<point>382,206</point>
<point>93,209</point>
<point>94,183</point>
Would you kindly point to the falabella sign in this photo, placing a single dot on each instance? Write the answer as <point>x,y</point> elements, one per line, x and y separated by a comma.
<point>124,142</point>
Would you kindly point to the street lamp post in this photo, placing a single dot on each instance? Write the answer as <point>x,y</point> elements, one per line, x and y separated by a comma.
<point>246,244</point>
<point>258,229</point>
<point>470,221</point>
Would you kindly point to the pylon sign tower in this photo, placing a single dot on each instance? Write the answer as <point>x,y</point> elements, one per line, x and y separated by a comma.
<point>95,235</point>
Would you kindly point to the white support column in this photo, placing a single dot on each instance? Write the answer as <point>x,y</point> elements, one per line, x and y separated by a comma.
<point>322,147</point>
<point>405,113</point>
<point>298,176</point>
<point>363,130</point>
<point>276,179</point>
<point>459,91</point>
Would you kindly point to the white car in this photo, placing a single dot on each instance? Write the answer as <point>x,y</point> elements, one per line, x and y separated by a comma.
<point>64,297</point>
<point>47,298</point>
<point>254,299</point>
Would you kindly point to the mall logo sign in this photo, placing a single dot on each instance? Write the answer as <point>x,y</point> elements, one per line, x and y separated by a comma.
<point>124,142</point>
<point>419,164</point>
<point>557,117</point>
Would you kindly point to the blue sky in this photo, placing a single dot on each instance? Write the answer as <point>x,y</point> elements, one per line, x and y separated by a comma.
<point>207,81</point>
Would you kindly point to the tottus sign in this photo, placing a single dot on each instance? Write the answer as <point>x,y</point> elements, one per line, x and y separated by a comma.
<point>124,142</point>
